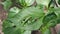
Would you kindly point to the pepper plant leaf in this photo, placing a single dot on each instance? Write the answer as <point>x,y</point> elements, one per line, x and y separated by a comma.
<point>20,20</point>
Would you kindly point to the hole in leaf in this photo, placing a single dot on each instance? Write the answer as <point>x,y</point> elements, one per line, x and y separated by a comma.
<point>35,32</point>
<point>14,26</point>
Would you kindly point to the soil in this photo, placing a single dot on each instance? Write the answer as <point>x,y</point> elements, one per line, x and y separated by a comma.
<point>3,15</point>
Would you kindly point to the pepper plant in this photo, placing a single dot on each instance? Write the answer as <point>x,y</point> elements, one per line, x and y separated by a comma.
<point>24,16</point>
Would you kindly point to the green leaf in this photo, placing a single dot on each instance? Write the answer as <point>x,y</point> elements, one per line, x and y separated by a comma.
<point>45,28</point>
<point>7,23</point>
<point>59,2</point>
<point>25,3</point>
<point>7,4</point>
<point>57,12</point>
<point>13,11</point>
<point>21,20</point>
<point>29,18</point>
<point>12,30</point>
<point>43,2</point>
<point>58,20</point>
<point>47,31</point>
<point>31,11</point>
<point>49,17</point>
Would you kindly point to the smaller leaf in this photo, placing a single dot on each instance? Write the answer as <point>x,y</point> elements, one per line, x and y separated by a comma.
<point>13,11</point>
<point>7,4</point>
<point>49,17</point>
<point>26,3</point>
